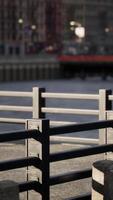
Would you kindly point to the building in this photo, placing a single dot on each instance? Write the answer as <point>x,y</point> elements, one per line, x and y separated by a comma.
<point>97,19</point>
<point>30,26</point>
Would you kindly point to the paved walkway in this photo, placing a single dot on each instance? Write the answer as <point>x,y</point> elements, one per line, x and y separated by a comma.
<point>58,192</point>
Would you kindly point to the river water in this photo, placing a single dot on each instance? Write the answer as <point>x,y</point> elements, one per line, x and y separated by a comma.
<point>89,86</point>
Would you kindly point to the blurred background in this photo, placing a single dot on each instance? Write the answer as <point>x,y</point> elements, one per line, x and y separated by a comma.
<point>32,27</point>
<point>41,39</point>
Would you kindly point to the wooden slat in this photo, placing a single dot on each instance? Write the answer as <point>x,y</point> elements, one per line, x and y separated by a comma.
<point>16,108</point>
<point>69,111</point>
<point>70,96</point>
<point>15,94</point>
<point>12,120</point>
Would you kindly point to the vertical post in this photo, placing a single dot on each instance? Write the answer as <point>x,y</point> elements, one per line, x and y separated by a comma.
<point>40,150</point>
<point>9,190</point>
<point>38,103</point>
<point>110,134</point>
<point>44,129</point>
<point>102,180</point>
<point>104,105</point>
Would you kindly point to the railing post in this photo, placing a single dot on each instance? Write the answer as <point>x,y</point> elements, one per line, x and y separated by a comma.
<point>110,134</point>
<point>104,105</point>
<point>102,180</point>
<point>41,150</point>
<point>9,190</point>
<point>38,103</point>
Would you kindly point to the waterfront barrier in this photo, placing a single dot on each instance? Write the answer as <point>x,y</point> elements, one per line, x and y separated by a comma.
<point>22,162</point>
<point>25,69</point>
<point>38,157</point>
<point>38,141</point>
<point>39,109</point>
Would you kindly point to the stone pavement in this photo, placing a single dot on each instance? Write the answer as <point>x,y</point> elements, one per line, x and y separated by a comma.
<point>58,192</point>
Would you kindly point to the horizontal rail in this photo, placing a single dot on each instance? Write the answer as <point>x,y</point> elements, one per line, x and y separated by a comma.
<point>12,120</point>
<point>70,96</point>
<point>19,135</point>
<point>81,197</point>
<point>69,111</point>
<point>74,140</point>
<point>72,176</point>
<point>16,108</point>
<point>57,123</point>
<point>54,157</point>
<point>30,185</point>
<point>110,97</point>
<point>20,163</point>
<point>15,94</point>
<point>81,127</point>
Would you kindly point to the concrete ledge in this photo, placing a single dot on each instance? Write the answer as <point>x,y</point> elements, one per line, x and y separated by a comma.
<point>9,190</point>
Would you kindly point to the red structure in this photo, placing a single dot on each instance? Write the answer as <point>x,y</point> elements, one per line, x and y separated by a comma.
<point>86,59</point>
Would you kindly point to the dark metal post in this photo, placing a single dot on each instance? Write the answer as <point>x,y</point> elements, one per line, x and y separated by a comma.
<point>44,128</point>
<point>38,103</point>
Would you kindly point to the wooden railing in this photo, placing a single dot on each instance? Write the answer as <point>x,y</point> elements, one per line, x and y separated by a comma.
<point>38,108</point>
